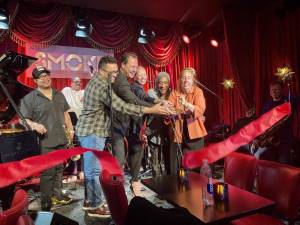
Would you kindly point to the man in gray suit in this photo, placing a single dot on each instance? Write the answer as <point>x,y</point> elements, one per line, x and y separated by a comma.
<point>121,86</point>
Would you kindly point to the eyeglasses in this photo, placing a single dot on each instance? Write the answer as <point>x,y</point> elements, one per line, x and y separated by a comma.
<point>44,76</point>
<point>111,72</point>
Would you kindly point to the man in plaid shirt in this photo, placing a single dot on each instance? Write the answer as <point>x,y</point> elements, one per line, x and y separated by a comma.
<point>93,128</point>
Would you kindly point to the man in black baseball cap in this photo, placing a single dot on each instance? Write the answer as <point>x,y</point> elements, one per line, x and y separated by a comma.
<point>38,71</point>
<point>46,111</point>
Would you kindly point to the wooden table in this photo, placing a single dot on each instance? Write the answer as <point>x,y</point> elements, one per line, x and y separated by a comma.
<point>240,202</point>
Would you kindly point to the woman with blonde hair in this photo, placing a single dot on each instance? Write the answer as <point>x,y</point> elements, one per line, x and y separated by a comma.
<point>187,128</point>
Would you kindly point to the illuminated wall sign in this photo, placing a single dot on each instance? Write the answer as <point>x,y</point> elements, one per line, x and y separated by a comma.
<point>65,61</point>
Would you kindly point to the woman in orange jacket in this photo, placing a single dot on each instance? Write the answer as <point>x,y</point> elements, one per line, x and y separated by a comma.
<point>188,128</point>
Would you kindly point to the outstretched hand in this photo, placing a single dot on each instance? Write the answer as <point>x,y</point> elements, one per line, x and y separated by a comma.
<point>163,109</point>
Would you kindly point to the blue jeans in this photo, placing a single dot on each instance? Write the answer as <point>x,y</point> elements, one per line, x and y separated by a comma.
<point>92,169</point>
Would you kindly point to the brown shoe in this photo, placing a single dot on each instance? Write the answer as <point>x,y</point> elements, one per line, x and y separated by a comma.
<point>100,212</point>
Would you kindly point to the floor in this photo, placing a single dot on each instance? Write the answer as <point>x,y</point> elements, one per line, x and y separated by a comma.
<point>76,190</point>
<point>74,210</point>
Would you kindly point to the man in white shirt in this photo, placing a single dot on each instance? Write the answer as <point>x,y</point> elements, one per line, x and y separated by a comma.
<point>74,96</point>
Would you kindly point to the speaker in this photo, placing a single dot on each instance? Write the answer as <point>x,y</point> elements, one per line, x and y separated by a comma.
<point>18,145</point>
<point>49,218</point>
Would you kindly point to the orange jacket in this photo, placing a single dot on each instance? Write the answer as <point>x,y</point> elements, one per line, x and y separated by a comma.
<point>196,128</point>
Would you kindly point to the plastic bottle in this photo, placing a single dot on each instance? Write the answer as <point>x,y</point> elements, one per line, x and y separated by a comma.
<point>208,192</point>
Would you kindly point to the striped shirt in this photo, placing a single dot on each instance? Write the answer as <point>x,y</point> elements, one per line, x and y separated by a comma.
<point>95,115</point>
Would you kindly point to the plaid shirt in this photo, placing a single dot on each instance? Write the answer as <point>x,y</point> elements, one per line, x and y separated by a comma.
<point>95,115</point>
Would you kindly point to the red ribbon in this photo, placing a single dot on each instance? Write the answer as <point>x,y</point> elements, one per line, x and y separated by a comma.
<point>214,152</point>
<point>12,172</point>
<point>15,171</point>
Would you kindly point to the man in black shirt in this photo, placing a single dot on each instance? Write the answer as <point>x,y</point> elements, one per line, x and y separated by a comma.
<point>46,111</point>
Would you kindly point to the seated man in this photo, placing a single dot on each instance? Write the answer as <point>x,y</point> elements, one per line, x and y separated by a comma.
<point>283,135</point>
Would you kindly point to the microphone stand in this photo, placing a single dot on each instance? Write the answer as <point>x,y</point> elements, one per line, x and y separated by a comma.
<point>221,100</point>
<point>210,91</point>
<point>289,92</point>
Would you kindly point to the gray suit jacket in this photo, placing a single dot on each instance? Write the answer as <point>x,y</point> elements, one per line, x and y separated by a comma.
<point>121,87</point>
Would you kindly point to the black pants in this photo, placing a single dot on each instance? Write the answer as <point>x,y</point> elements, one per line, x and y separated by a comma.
<point>118,147</point>
<point>186,145</point>
<point>175,156</point>
<point>135,156</point>
<point>51,181</point>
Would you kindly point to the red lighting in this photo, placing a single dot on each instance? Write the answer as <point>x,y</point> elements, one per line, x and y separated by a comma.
<point>186,39</point>
<point>214,43</point>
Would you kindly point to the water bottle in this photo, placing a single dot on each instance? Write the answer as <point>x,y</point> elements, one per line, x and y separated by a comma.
<point>208,191</point>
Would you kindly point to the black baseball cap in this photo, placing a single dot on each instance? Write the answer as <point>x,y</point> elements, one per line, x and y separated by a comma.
<point>38,71</point>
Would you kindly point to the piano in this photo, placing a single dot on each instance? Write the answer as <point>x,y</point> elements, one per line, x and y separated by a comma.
<point>17,142</point>
<point>11,65</point>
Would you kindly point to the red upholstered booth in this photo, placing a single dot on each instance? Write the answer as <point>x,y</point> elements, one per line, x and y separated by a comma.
<point>114,191</point>
<point>239,170</point>
<point>25,220</point>
<point>19,207</point>
<point>280,183</point>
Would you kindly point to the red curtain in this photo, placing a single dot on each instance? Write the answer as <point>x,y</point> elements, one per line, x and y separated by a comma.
<point>164,48</point>
<point>112,32</point>
<point>39,25</point>
<point>256,44</point>
<point>239,27</point>
<point>277,44</point>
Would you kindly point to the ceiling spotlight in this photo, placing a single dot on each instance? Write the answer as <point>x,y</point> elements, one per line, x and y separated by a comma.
<point>3,19</point>
<point>145,35</point>
<point>186,39</point>
<point>214,43</point>
<point>83,28</point>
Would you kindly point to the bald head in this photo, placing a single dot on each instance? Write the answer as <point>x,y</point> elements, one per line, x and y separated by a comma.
<point>76,84</point>
<point>141,75</point>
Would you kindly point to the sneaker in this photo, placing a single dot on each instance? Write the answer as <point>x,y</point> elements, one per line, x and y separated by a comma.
<point>64,200</point>
<point>100,212</point>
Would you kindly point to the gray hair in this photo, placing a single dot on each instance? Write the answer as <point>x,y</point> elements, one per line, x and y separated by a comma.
<point>161,75</point>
